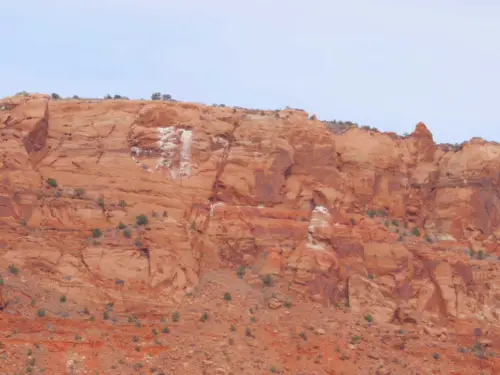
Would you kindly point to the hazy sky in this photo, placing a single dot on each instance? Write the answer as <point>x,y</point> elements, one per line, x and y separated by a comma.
<point>387,64</point>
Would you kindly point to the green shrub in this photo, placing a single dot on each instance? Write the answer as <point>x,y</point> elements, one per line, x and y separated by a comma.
<point>51,182</point>
<point>204,317</point>
<point>227,296</point>
<point>62,299</point>
<point>41,313</point>
<point>267,280</point>
<point>369,318</point>
<point>416,232</point>
<point>176,316</point>
<point>13,269</point>
<point>241,272</point>
<point>121,225</point>
<point>141,219</point>
<point>96,233</point>
<point>127,233</point>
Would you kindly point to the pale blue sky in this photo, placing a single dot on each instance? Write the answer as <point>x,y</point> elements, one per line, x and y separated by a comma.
<point>387,64</point>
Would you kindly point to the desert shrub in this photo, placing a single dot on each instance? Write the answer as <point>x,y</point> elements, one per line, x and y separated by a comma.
<point>142,219</point>
<point>241,271</point>
<point>51,182</point>
<point>96,233</point>
<point>267,280</point>
<point>204,317</point>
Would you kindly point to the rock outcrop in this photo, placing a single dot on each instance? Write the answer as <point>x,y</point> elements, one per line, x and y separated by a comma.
<point>397,227</point>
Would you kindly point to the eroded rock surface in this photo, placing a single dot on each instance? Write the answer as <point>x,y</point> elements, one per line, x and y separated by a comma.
<point>397,228</point>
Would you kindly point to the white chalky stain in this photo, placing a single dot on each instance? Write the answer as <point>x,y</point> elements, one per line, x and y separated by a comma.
<point>167,142</point>
<point>169,139</point>
<point>213,205</point>
<point>186,142</point>
<point>319,219</point>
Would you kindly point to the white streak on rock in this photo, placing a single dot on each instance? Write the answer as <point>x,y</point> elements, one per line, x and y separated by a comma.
<point>186,142</point>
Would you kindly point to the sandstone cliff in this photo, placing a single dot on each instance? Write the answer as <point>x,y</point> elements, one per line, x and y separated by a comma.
<point>399,228</point>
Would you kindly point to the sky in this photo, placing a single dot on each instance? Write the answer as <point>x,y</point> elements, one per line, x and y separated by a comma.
<point>387,64</point>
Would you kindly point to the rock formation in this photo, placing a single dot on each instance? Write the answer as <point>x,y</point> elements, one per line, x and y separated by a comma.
<point>398,228</point>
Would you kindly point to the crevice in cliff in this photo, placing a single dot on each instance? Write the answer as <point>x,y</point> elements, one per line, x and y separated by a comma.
<point>221,164</point>
<point>35,142</point>
<point>82,259</point>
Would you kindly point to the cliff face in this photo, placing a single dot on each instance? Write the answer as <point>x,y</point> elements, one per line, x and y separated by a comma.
<point>398,228</point>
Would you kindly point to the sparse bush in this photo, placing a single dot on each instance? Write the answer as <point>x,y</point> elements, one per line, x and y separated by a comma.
<point>142,220</point>
<point>121,225</point>
<point>62,299</point>
<point>100,202</point>
<point>96,233</point>
<point>55,96</point>
<point>233,328</point>
<point>127,233</point>
<point>76,97</point>
<point>267,280</point>
<point>13,269</point>
<point>51,182</point>
<point>204,317</point>
<point>369,318</point>
<point>138,243</point>
<point>156,96</point>
<point>303,335</point>
<point>80,192</point>
<point>135,339</point>
<point>416,232</point>
<point>105,315</point>
<point>122,203</point>
<point>227,296</point>
<point>176,316</point>
<point>355,339</point>
<point>166,330</point>
<point>248,332</point>
<point>435,356</point>
<point>166,97</point>
<point>41,313</point>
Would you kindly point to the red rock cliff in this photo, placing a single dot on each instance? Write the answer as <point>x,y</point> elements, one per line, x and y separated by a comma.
<point>374,219</point>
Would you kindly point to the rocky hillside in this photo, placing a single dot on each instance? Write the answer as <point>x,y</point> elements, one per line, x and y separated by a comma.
<point>342,249</point>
